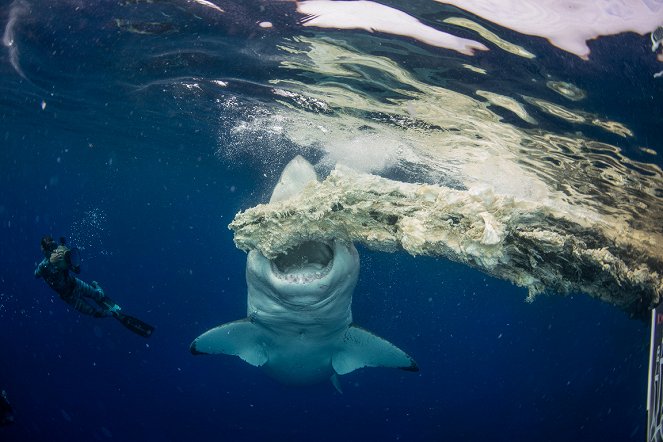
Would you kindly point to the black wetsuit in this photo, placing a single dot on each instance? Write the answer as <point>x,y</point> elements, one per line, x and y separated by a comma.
<point>73,291</point>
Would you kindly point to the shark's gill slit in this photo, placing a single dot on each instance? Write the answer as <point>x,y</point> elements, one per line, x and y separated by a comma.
<point>312,258</point>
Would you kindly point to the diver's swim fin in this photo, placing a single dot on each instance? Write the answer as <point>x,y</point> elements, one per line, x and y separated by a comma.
<point>134,324</point>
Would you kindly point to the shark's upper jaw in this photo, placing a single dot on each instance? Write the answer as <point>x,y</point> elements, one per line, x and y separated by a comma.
<point>306,263</point>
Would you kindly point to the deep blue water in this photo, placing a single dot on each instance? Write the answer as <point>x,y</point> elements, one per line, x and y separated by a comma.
<point>136,179</point>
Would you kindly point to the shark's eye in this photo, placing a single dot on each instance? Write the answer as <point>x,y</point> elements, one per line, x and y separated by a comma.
<point>308,256</point>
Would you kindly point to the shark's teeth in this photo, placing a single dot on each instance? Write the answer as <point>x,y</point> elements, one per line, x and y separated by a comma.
<point>300,278</point>
<point>304,264</point>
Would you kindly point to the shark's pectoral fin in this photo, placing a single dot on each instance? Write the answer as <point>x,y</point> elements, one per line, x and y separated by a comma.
<point>240,338</point>
<point>362,348</point>
<point>336,383</point>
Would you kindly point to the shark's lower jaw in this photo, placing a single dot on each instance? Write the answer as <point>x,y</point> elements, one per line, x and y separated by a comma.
<point>305,263</point>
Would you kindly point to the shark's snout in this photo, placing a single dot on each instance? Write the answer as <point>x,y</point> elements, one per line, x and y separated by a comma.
<point>304,263</point>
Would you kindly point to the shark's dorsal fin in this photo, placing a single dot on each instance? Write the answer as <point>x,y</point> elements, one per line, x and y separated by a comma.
<point>294,178</point>
<point>361,348</point>
<point>239,338</point>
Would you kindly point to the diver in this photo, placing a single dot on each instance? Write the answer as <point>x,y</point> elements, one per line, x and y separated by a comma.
<point>6,411</point>
<point>57,267</point>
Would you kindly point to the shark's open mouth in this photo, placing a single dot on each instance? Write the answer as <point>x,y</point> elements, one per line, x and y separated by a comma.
<point>304,263</point>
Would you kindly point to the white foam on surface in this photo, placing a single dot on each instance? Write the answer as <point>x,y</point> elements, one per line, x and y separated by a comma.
<point>369,153</point>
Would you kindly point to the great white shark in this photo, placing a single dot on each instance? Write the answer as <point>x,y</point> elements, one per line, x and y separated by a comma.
<point>299,327</point>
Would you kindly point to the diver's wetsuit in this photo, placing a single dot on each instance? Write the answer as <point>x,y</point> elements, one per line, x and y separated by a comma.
<point>74,291</point>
